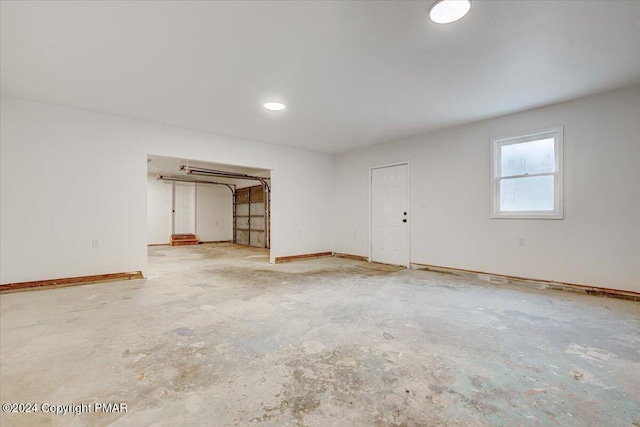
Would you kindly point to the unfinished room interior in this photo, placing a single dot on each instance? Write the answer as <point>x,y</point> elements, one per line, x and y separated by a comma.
<point>320,213</point>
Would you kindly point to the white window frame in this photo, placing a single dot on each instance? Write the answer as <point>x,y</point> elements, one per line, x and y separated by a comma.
<point>556,132</point>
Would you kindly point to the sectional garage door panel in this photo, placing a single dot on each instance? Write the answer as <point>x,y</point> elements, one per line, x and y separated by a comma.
<point>257,223</point>
<point>242,223</point>
<point>257,194</point>
<point>242,237</point>
<point>257,239</point>
<point>257,209</point>
<point>242,196</point>
<point>242,210</point>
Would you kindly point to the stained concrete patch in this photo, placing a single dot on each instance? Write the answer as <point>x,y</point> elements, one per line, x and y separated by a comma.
<point>183,332</point>
<point>589,352</point>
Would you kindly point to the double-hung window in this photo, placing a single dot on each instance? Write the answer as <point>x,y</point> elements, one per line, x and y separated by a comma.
<point>527,175</point>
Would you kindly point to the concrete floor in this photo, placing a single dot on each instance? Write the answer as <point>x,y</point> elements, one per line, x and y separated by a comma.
<point>217,336</point>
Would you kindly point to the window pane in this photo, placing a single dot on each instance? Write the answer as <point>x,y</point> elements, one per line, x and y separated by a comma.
<point>527,194</point>
<point>527,157</point>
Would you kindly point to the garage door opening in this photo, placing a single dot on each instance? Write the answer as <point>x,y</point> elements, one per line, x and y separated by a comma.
<point>251,216</point>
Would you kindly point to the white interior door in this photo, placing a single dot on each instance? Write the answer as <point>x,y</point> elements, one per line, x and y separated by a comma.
<point>184,208</point>
<point>390,215</point>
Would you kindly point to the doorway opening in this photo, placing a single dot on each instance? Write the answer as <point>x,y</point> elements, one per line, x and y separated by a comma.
<point>195,202</point>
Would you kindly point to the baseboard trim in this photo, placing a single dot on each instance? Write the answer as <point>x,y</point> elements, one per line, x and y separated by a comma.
<point>69,281</point>
<point>201,242</point>
<point>282,259</point>
<point>538,283</point>
<point>353,257</point>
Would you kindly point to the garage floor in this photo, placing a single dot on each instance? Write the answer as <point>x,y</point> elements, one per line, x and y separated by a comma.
<point>217,336</point>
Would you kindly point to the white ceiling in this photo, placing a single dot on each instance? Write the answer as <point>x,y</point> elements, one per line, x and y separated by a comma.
<point>351,73</point>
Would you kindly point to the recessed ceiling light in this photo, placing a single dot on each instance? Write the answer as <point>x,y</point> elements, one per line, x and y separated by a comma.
<point>274,106</point>
<point>448,11</point>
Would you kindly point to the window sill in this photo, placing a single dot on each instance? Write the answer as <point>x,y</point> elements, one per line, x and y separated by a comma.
<point>527,215</point>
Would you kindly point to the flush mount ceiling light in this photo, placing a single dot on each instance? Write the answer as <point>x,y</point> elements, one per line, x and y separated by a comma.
<point>448,11</point>
<point>274,106</point>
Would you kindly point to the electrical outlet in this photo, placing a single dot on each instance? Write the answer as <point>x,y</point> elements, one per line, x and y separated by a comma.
<point>521,241</point>
<point>95,243</point>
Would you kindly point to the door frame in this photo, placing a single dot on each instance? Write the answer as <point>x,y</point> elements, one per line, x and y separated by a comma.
<point>173,204</point>
<point>382,166</point>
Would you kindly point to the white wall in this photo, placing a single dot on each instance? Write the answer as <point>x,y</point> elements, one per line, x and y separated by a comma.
<point>214,213</point>
<point>69,176</point>
<point>159,207</point>
<point>598,242</point>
